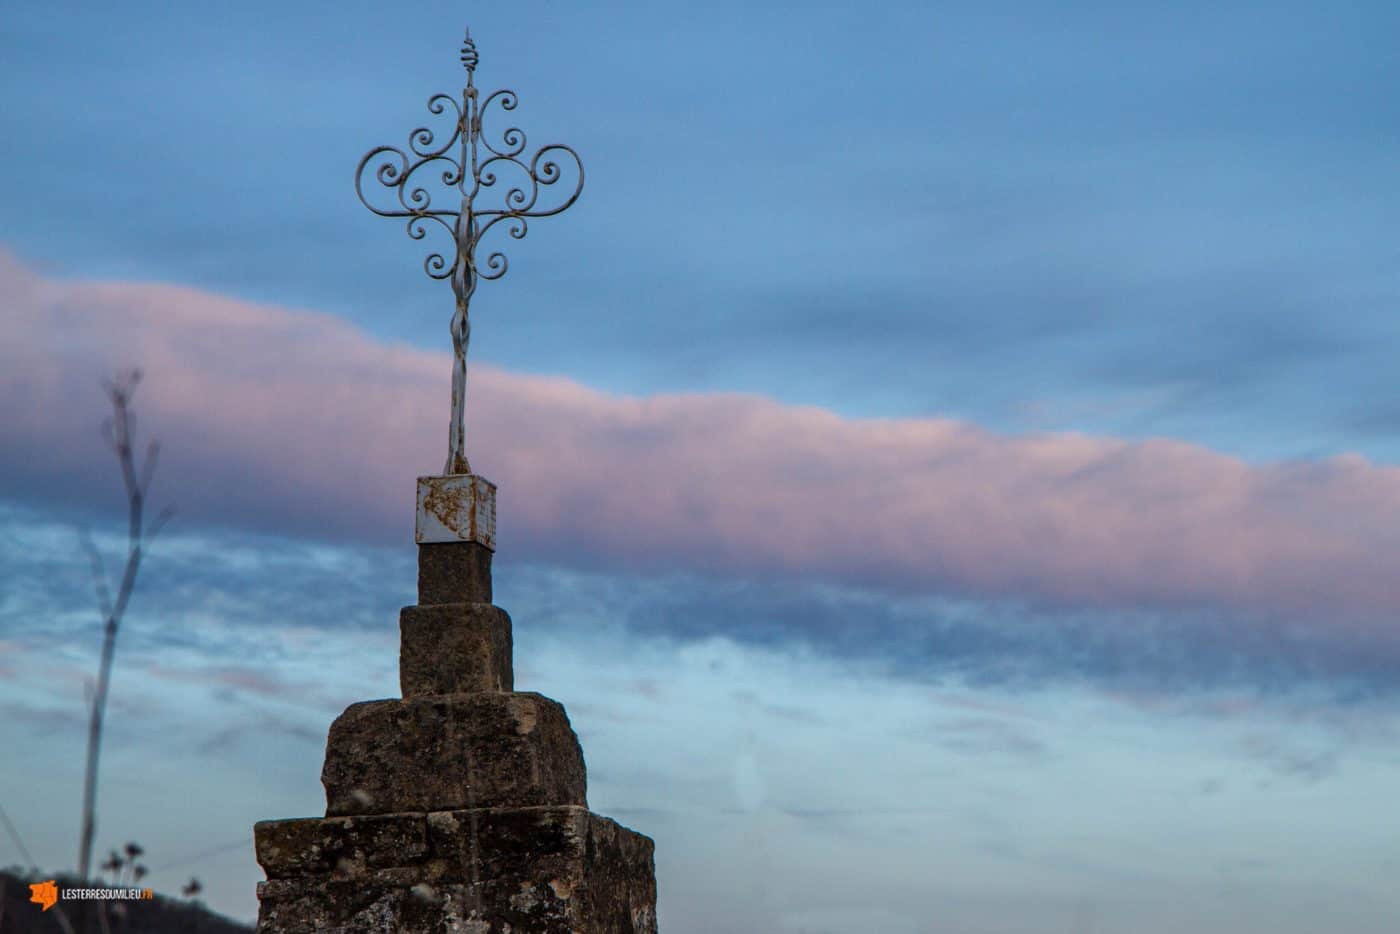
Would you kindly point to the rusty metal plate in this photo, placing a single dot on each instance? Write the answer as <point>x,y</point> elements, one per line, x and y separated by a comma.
<point>456,508</point>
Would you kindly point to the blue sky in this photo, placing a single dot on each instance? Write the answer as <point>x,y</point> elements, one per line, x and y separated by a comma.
<point>1001,399</point>
<point>1123,217</point>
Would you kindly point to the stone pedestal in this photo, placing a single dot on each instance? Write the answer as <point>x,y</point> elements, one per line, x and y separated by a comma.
<point>463,806</point>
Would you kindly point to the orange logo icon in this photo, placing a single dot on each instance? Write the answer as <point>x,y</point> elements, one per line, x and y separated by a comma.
<point>44,893</point>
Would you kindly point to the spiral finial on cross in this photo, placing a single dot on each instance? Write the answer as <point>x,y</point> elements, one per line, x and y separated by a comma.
<point>469,58</point>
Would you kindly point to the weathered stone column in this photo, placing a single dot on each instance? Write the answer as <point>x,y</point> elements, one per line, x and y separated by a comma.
<point>461,807</point>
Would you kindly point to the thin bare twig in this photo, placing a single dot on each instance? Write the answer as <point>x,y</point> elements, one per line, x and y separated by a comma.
<point>148,469</point>
<point>18,840</point>
<point>24,851</point>
<point>99,575</point>
<point>118,432</point>
<point>163,517</point>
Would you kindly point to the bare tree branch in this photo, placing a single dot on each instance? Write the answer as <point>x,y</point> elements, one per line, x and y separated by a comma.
<point>118,432</point>
<point>99,575</point>
<point>148,469</point>
<point>18,840</point>
<point>163,517</point>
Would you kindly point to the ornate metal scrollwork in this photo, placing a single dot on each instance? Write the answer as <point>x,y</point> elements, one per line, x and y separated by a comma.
<point>469,164</point>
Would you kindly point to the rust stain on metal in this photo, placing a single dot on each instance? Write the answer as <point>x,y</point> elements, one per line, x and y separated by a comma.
<point>447,503</point>
<point>456,508</point>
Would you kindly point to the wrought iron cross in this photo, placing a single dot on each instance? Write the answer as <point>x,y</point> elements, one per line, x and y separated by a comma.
<point>468,161</point>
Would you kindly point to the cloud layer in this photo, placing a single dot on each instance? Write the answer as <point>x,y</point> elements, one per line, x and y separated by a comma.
<point>832,781</point>
<point>297,422</point>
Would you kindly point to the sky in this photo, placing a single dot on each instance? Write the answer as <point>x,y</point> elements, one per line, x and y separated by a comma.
<point>949,457</point>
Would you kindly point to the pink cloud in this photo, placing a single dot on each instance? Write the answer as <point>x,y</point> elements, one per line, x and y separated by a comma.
<point>298,422</point>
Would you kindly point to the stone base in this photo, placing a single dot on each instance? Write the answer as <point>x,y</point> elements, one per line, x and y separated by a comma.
<point>454,648</point>
<point>545,870</point>
<point>452,751</point>
<point>454,572</point>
